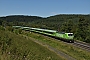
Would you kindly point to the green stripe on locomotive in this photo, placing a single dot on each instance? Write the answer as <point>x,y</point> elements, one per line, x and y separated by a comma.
<point>65,36</point>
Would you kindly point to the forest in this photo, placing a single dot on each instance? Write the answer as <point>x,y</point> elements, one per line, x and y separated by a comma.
<point>79,24</point>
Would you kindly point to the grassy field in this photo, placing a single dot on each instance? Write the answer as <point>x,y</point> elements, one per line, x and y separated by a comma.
<point>16,47</point>
<point>75,52</point>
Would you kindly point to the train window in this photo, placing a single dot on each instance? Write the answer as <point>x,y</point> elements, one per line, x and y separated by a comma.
<point>70,34</point>
<point>62,32</point>
<point>39,30</point>
<point>48,32</point>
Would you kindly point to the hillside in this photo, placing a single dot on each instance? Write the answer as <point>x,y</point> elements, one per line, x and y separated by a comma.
<point>52,22</point>
<point>79,24</point>
<point>17,47</point>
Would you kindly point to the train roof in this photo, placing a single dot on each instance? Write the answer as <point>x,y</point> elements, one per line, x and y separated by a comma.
<point>25,27</point>
<point>44,29</point>
<point>50,30</point>
<point>68,33</point>
<point>64,33</point>
<point>16,26</point>
<point>41,29</point>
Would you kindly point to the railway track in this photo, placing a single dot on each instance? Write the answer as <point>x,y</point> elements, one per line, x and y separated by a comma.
<point>58,52</point>
<point>82,45</point>
<point>79,44</point>
<point>49,32</point>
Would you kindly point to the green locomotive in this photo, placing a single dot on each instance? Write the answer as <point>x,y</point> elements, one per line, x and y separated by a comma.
<point>64,36</point>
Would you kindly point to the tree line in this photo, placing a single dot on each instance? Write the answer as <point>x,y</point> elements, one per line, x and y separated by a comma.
<point>78,24</point>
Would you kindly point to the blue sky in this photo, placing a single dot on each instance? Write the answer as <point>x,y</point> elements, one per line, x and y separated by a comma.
<point>44,8</point>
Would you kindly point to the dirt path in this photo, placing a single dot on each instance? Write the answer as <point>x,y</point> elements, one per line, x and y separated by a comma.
<point>67,57</point>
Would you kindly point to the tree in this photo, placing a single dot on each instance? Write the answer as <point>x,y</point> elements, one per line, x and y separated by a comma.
<point>82,30</point>
<point>0,22</point>
<point>64,27</point>
<point>4,23</point>
<point>67,26</point>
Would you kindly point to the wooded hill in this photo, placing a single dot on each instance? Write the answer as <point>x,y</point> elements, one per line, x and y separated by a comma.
<point>77,23</point>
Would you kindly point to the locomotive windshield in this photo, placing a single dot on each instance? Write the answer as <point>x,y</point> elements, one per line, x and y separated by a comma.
<point>70,34</point>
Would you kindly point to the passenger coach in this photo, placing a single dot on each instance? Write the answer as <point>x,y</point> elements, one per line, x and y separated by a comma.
<point>64,36</point>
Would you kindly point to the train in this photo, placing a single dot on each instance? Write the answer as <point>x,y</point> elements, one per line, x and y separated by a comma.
<point>69,37</point>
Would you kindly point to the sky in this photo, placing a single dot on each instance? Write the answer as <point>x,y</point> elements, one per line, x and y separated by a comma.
<point>43,8</point>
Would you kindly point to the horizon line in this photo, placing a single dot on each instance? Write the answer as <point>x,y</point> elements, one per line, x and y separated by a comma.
<point>47,16</point>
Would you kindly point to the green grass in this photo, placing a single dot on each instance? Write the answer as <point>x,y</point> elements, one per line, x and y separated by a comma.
<point>75,52</point>
<point>17,47</point>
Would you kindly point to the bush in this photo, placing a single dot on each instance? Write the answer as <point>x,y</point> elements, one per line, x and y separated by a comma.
<point>87,39</point>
